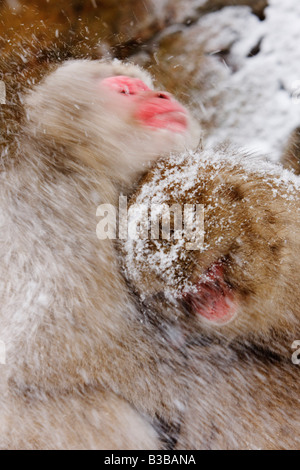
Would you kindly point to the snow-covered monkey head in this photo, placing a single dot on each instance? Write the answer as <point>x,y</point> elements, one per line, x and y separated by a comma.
<point>110,113</point>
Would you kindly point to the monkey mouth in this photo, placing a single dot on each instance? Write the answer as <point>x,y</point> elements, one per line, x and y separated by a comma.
<point>172,120</point>
<point>171,116</point>
<point>212,298</point>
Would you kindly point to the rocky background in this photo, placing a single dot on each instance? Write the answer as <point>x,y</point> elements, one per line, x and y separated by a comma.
<point>236,63</point>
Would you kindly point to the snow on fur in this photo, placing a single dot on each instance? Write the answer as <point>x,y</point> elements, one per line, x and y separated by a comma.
<point>180,176</point>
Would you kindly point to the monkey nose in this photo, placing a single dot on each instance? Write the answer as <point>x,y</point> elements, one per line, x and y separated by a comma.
<point>163,95</point>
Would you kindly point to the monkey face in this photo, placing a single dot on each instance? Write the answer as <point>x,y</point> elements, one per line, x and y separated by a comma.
<point>108,115</point>
<point>149,108</point>
<point>236,283</point>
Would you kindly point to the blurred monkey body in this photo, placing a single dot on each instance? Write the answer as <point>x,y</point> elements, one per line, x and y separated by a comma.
<point>239,295</point>
<point>81,369</point>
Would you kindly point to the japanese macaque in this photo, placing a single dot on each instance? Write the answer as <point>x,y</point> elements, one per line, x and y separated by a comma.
<point>82,370</point>
<point>238,293</point>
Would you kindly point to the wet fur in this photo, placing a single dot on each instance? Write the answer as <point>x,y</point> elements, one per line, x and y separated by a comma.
<point>243,386</point>
<point>82,370</point>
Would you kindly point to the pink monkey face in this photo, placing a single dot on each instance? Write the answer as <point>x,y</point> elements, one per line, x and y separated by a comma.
<point>150,108</point>
<point>213,299</point>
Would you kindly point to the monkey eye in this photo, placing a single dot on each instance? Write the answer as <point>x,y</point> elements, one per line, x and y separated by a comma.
<point>126,91</point>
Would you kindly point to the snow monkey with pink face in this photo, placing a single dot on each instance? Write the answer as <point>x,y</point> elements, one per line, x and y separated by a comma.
<point>83,370</point>
<point>238,294</point>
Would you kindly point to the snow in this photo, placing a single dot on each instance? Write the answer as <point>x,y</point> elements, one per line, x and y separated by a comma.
<point>248,88</point>
<point>261,105</point>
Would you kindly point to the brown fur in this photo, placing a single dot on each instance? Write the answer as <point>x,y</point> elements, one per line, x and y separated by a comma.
<point>82,370</point>
<point>243,384</point>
